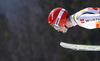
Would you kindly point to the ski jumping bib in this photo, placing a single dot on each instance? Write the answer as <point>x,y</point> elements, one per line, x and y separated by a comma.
<point>88,18</point>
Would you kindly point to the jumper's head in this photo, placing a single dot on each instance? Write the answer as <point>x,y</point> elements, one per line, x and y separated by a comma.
<point>57,18</point>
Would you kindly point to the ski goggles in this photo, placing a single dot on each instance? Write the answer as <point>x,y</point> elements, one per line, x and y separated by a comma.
<point>56,27</point>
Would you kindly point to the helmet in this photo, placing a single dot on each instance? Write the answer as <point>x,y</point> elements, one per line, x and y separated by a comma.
<point>57,18</point>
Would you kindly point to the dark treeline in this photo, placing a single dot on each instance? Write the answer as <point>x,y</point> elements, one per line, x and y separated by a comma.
<point>25,34</point>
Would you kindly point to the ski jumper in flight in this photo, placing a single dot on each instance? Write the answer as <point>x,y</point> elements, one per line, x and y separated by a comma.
<point>88,18</point>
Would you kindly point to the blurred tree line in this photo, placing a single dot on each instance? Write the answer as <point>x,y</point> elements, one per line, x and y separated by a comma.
<point>25,34</point>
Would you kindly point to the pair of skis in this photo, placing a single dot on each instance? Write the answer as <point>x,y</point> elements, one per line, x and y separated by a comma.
<point>79,47</point>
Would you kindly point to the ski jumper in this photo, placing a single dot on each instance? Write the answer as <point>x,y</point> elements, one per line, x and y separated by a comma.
<point>88,18</point>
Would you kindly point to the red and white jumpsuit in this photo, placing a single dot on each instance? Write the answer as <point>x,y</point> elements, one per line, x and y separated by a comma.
<point>88,18</point>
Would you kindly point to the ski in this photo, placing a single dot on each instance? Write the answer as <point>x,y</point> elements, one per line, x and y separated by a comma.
<point>79,47</point>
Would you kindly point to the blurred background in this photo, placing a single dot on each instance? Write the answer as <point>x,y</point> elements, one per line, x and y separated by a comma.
<point>25,34</point>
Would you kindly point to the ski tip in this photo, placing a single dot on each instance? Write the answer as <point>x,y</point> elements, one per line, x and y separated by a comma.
<point>61,43</point>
